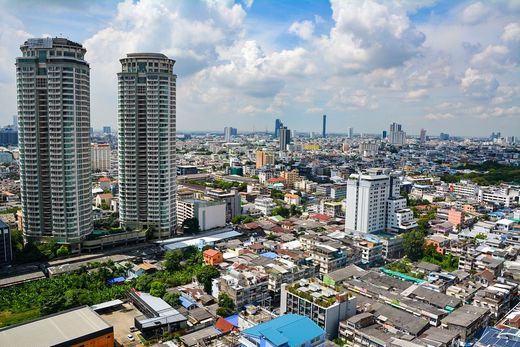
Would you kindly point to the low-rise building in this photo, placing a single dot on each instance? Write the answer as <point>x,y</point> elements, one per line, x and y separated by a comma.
<point>265,205</point>
<point>212,257</point>
<point>467,321</point>
<point>324,305</point>
<point>244,285</point>
<point>210,214</point>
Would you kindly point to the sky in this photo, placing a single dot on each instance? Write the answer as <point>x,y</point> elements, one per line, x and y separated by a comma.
<point>445,66</point>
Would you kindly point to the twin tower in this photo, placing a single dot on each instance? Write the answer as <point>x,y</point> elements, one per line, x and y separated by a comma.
<point>53,92</point>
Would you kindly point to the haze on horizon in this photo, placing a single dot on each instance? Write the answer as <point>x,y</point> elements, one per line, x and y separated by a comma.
<point>440,65</point>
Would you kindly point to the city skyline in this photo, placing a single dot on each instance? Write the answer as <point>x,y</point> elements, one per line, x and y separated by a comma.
<point>442,66</point>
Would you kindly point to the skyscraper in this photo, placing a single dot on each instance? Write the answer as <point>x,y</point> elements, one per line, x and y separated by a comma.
<point>107,130</point>
<point>285,138</point>
<point>422,137</point>
<point>15,122</point>
<point>277,125</point>
<point>229,132</point>
<point>396,136</point>
<point>324,130</point>
<point>53,81</point>
<point>147,125</point>
<point>350,133</point>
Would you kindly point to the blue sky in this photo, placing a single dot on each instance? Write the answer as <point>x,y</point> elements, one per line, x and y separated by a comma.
<point>448,66</point>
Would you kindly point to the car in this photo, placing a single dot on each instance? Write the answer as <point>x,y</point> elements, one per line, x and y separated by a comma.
<point>130,337</point>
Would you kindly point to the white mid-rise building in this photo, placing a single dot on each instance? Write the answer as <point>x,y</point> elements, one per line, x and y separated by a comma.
<point>366,201</point>
<point>146,142</point>
<point>265,205</point>
<point>100,156</point>
<point>374,203</point>
<point>210,214</point>
<point>53,87</point>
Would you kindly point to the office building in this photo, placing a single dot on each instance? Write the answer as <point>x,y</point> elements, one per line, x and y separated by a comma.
<point>350,133</point>
<point>53,81</point>
<point>100,156</point>
<point>210,214</point>
<point>147,125</point>
<point>324,129</point>
<point>8,136</point>
<point>229,132</point>
<point>107,130</point>
<point>396,136</point>
<point>286,330</point>
<point>277,125</point>
<point>76,327</point>
<point>183,170</point>
<point>322,304</point>
<point>284,137</point>
<point>6,249</point>
<point>264,158</point>
<point>444,137</point>
<point>383,135</point>
<point>422,137</point>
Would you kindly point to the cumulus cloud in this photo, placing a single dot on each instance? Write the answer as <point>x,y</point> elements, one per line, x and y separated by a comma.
<point>303,29</point>
<point>477,84</point>
<point>369,35</point>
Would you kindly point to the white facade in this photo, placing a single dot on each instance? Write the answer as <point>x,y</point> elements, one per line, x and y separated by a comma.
<point>265,205</point>
<point>100,156</point>
<point>374,204</point>
<point>53,87</point>
<point>366,202</point>
<point>147,125</point>
<point>210,214</point>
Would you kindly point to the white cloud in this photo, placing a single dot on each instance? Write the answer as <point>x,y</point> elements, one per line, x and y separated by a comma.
<point>303,29</point>
<point>439,116</point>
<point>369,35</point>
<point>415,95</point>
<point>475,13</point>
<point>477,84</point>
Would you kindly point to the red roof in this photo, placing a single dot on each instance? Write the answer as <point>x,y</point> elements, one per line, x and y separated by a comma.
<point>224,326</point>
<point>104,179</point>
<point>320,217</point>
<point>276,180</point>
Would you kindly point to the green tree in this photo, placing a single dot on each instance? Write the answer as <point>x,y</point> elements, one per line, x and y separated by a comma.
<point>62,251</point>
<point>295,210</point>
<point>242,219</point>
<point>172,260</point>
<point>205,276</point>
<point>281,211</point>
<point>277,194</point>
<point>190,226</point>
<point>172,298</point>
<point>413,244</point>
<point>226,306</point>
<point>157,289</point>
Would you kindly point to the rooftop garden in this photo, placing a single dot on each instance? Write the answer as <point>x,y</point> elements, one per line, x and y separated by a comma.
<point>322,301</point>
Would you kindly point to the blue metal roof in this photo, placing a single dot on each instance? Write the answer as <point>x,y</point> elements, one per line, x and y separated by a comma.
<point>291,329</point>
<point>185,302</point>
<point>270,255</point>
<point>116,280</point>
<point>233,319</point>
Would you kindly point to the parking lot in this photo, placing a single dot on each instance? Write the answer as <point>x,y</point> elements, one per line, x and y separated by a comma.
<point>123,320</point>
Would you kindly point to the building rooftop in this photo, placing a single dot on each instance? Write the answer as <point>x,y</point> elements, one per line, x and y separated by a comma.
<point>465,315</point>
<point>290,329</point>
<point>60,328</point>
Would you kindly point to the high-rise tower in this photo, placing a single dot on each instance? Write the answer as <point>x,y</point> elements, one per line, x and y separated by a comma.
<point>147,125</point>
<point>324,130</point>
<point>277,125</point>
<point>53,87</point>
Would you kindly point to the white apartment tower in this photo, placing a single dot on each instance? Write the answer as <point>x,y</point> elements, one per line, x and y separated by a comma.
<point>146,145</point>
<point>366,201</point>
<point>101,155</point>
<point>374,203</point>
<point>53,89</point>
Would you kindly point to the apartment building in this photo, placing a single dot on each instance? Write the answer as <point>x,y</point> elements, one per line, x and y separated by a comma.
<point>101,155</point>
<point>244,285</point>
